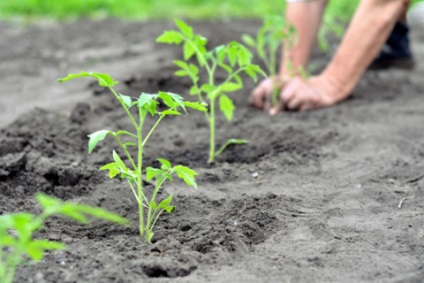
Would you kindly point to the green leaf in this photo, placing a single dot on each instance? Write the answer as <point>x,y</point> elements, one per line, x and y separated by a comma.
<point>165,204</point>
<point>148,102</point>
<point>119,161</point>
<point>126,99</point>
<point>113,169</point>
<point>69,210</point>
<point>153,205</point>
<point>172,100</point>
<point>170,37</point>
<point>170,112</point>
<point>227,107</point>
<point>109,166</point>
<point>127,144</point>
<point>166,165</point>
<point>185,28</point>
<point>144,99</point>
<point>199,106</point>
<point>186,174</point>
<point>122,132</point>
<point>104,80</point>
<point>94,139</point>
<point>194,90</point>
<point>36,248</point>
<point>153,172</point>
<point>181,73</point>
<point>232,55</point>
<point>230,87</point>
<point>183,65</point>
<point>230,142</point>
<point>226,68</point>
<point>100,213</point>
<point>207,88</point>
<point>188,50</point>
<point>46,201</point>
<point>248,40</point>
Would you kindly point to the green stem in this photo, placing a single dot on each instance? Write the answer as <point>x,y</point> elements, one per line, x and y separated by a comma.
<point>152,130</point>
<point>155,192</point>
<point>125,107</point>
<point>140,172</point>
<point>212,132</point>
<point>126,152</point>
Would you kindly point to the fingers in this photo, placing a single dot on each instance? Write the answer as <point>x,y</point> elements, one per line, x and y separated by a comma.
<point>259,96</point>
<point>289,98</point>
<point>256,99</point>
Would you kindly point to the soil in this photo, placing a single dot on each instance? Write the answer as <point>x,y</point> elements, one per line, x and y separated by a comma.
<point>333,195</point>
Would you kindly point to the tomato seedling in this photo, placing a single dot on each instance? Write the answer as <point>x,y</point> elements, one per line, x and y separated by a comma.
<point>234,58</point>
<point>17,243</point>
<point>275,32</point>
<point>146,104</point>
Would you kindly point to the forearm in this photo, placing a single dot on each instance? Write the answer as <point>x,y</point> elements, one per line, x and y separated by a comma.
<point>306,18</point>
<point>369,29</point>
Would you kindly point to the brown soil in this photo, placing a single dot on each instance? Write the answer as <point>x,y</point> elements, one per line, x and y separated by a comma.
<point>313,198</point>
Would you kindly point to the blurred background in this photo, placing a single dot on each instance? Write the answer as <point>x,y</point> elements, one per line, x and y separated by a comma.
<point>155,9</point>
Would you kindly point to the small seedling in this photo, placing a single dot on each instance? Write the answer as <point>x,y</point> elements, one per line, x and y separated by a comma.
<point>234,58</point>
<point>275,32</point>
<point>146,104</point>
<point>17,244</point>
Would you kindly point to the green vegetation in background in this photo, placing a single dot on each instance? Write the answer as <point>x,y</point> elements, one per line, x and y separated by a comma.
<point>155,9</point>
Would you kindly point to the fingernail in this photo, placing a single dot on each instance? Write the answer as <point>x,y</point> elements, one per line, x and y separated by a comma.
<point>273,111</point>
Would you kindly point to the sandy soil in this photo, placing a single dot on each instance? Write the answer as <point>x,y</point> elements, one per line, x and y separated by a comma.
<point>314,198</point>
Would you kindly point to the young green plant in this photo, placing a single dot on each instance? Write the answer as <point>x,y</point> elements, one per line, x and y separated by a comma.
<point>146,105</point>
<point>275,32</point>
<point>234,58</point>
<point>17,244</point>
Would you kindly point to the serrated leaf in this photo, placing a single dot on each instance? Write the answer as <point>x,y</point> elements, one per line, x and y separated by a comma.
<point>248,40</point>
<point>185,28</point>
<point>101,214</point>
<point>109,166</point>
<point>188,50</point>
<point>126,99</point>
<point>104,80</point>
<point>145,98</point>
<point>194,90</point>
<point>170,112</point>
<point>153,205</point>
<point>186,174</point>
<point>183,65</point>
<point>230,87</point>
<point>119,161</point>
<point>165,204</point>
<point>226,68</point>
<point>172,100</point>
<point>153,172</point>
<point>95,138</point>
<point>232,55</point>
<point>181,73</point>
<point>170,37</point>
<point>127,144</point>
<point>166,165</point>
<point>199,106</point>
<point>227,107</point>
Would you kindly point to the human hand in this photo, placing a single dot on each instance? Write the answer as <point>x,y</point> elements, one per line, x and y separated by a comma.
<point>300,94</point>
<point>261,96</point>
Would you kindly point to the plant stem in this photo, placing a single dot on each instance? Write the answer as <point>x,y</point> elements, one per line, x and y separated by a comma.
<point>149,215</point>
<point>140,173</point>
<point>125,107</point>
<point>212,132</point>
<point>126,152</point>
<point>152,129</point>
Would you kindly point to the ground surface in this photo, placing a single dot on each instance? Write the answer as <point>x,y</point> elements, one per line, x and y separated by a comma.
<point>313,198</point>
